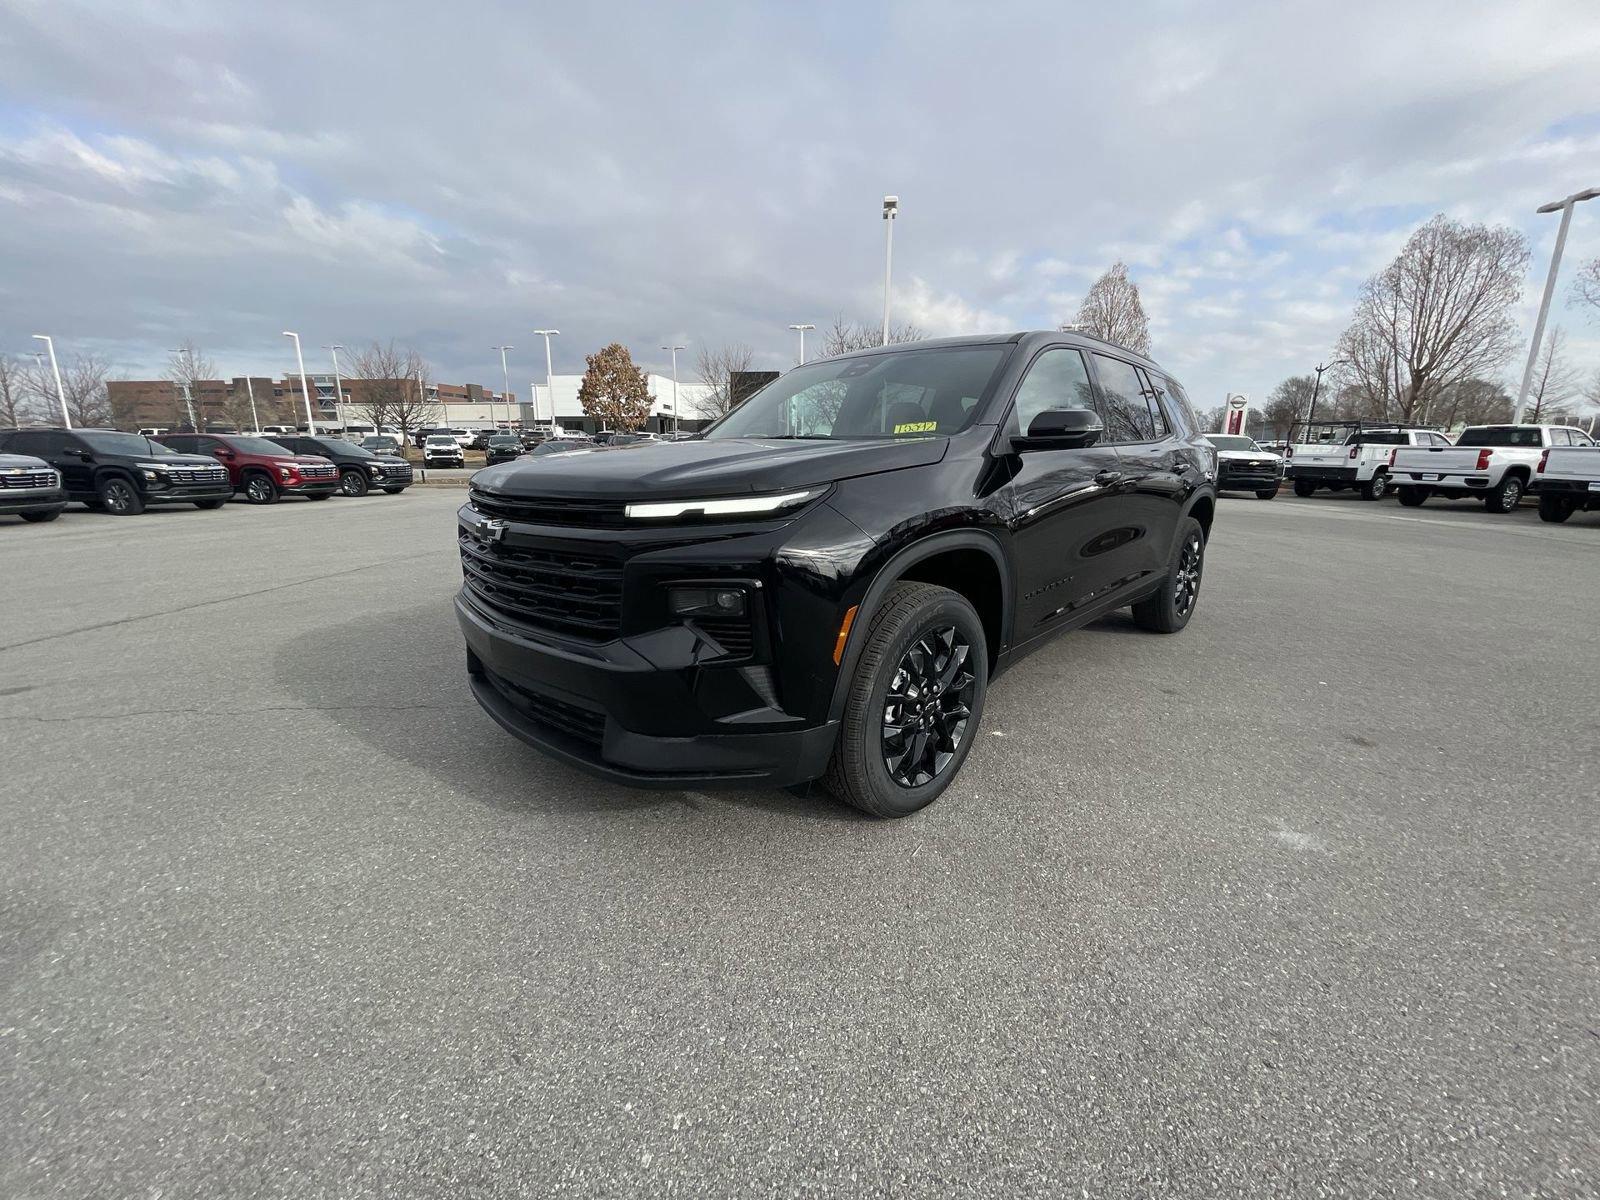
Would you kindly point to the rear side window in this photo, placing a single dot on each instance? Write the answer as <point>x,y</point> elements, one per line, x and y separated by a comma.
<point>1560,437</point>
<point>1127,408</point>
<point>1579,438</point>
<point>1180,414</point>
<point>1057,380</point>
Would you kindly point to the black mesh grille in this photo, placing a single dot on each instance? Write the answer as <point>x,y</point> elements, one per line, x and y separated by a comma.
<point>580,723</point>
<point>550,510</point>
<point>731,633</point>
<point>572,593</point>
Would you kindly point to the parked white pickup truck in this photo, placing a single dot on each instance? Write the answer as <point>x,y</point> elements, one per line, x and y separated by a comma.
<point>1360,460</point>
<point>1494,463</point>
<point>1567,479</point>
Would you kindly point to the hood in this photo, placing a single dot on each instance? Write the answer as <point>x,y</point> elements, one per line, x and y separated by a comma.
<point>175,460</point>
<point>718,467</point>
<point>307,460</point>
<point>23,462</point>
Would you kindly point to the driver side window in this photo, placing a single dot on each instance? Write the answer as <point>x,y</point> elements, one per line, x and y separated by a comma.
<point>1057,380</point>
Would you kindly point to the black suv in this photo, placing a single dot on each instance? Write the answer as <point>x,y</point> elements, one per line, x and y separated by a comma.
<point>121,473</point>
<point>502,447</point>
<point>360,470</point>
<point>824,584</point>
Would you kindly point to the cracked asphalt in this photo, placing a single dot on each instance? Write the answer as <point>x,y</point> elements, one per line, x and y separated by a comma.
<point>1303,902</point>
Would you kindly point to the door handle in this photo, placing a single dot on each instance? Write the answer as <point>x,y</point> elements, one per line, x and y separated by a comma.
<point>1180,467</point>
<point>1107,478</point>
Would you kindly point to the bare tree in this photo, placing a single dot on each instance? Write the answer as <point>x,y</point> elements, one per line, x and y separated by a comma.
<point>1287,403</point>
<point>83,385</point>
<point>1472,402</point>
<point>1112,310</point>
<point>1586,287</point>
<point>1439,313</point>
<point>187,366</point>
<point>1211,418</point>
<point>844,336</point>
<point>393,388</point>
<point>1554,384</point>
<point>715,369</point>
<point>16,393</point>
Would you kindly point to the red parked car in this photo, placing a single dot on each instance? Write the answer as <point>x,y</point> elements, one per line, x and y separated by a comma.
<point>260,469</point>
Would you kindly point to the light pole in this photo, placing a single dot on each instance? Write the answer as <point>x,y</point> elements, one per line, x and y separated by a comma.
<point>1565,207</point>
<point>549,377</point>
<point>505,374</point>
<point>674,350</point>
<point>801,329</point>
<point>255,420</point>
<point>61,392</point>
<point>1316,389</point>
<point>891,206</point>
<point>188,394</point>
<point>305,388</point>
<point>338,389</point>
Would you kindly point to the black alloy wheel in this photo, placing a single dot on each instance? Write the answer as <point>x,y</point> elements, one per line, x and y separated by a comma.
<point>928,706</point>
<point>353,483</point>
<point>1191,562</point>
<point>120,498</point>
<point>258,489</point>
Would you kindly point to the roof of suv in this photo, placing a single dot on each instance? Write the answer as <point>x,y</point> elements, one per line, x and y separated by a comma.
<point>1025,336</point>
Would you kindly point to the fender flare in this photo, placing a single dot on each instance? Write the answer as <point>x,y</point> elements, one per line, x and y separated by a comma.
<point>891,572</point>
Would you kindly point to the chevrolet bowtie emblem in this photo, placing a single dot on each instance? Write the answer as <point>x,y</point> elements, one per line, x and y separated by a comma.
<point>491,531</point>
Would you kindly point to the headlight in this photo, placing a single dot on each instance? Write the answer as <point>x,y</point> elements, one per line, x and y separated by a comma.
<point>286,472</point>
<point>732,506</point>
<point>375,468</point>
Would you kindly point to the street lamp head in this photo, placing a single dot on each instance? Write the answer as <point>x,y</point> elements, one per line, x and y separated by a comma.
<point>802,327</point>
<point>891,205</point>
<point>1575,198</point>
<point>547,332</point>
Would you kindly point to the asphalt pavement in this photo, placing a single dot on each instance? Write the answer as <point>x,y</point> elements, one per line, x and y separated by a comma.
<point>1303,901</point>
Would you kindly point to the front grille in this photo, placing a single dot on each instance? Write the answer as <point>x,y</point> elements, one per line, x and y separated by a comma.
<point>580,723</point>
<point>731,633</point>
<point>550,510</point>
<point>196,474</point>
<point>328,472</point>
<point>579,594</point>
<point>28,479</point>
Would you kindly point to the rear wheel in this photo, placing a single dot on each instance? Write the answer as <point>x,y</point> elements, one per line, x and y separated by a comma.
<point>40,516</point>
<point>259,489</point>
<point>119,497</point>
<point>354,483</point>
<point>318,495</point>
<point>1304,487</point>
<point>1411,497</point>
<point>1169,609</point>
<point>217,503</point>
<point>1266,493</point>
<point>1374,488</point>
<point>914,703</point>
<point>1505,497</point>
<point>1556,509</point>
<point>393,491</point>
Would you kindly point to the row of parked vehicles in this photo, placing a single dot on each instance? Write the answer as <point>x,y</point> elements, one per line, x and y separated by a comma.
<point>1497,464</point>
<point>44,469</point>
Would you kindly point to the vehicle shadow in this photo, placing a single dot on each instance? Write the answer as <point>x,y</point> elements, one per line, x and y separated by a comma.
<point>405,696</point>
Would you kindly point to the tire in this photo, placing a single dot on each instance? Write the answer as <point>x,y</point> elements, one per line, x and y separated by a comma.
<point>1374,488</point>
<point>1169,609</point>
<point>1556,509</point>
<point>40,516</point>
<point>209,504</point>
<point>318,495</point>
<point>260,489</point>
<point>895,775</point>
<point>1411,497</point>
<point>1304,487</point>
<point>353,483</point>
<point>1506,496</point>
<point>392,491</point>
<point>1266,493</point>
<point>119,497</point>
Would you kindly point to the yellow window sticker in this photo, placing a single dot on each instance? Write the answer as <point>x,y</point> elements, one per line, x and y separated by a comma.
<point>917,427</point>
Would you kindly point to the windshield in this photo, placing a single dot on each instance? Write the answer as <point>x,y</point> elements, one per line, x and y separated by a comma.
<point>123,443</point>
<point>1224,441</point>
<point>444,441</point>
<point>504,440</point>
<point>904,393</point>
<point>246,445</point>
<point>1499,435</point>
<point>339,446</point>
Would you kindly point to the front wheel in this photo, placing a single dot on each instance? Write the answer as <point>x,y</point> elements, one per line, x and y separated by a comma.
<point>259,489</point>
<point>41,515</point>
<point>1556,509</point>
<point>1170,608</point>
<point>217,503</point>
<point>393,491</point>
<point>1266,493</point>
<point>1374,488</point>
<point>1411,497</point>
<point>1304,487</point>
<point>914,702</point>
<point>119,497</point>
<point>318,495</point>
<point>1505,497</point>
<point>353,483</point>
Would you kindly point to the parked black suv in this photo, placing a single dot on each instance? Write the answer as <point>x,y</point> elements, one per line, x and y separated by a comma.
<point>502,447</point>
<point>360,470</point>
<point>121,473</point>
<point>825,583</point>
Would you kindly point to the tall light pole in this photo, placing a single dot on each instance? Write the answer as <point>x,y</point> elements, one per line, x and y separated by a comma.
<point>505,374</point>
<point>1316,389</point>
<point>305,388</point>
<point>338,389</point>
<point>802,331</point>
<point>549,376</point>
<point>891,206</point>
<point>255,420</point>
<point>188,394</point>
<point>1565,207</point>
<point>61,392</point>
<point>674,350</point>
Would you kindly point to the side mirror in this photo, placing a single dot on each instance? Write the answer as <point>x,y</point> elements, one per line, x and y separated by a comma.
<point>1061,429</point>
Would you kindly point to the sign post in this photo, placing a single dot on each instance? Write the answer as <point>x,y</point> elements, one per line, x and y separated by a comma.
<point>1233,417</point>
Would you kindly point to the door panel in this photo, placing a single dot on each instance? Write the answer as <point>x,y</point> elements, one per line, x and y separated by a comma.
<point>1152,460</point>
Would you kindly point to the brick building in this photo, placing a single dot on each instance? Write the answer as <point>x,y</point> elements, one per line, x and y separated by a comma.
<point>221,404</point>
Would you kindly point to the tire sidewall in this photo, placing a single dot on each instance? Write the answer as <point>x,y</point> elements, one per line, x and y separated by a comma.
<point>361,487</point>
<point>889,796</point>
<point>253,489</point>
<point>132,508</point>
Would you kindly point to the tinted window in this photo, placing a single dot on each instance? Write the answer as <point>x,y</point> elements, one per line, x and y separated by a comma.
<point>1180,413</point>
<point>247,445</point>
<point>1224,441</point>
<point>36,441</point>
<point>1127,410</point>
<point>181,442</point>
<point>1058,380</point>
<point>107,442</point>
<point>336,448</point>
<point>1378,437</point>
<point>1499,435</point>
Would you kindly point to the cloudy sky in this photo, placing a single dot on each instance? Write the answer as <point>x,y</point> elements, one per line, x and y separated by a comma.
<point>456,175</point>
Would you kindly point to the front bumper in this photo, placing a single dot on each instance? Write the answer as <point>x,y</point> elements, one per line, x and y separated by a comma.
<point>311,487</point>
<point>593,707</point>
<point>1247,480</point>
<point>1323,474</point>
<point>443,461</point>
<point>13,502</point>
<point>188,493</point>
